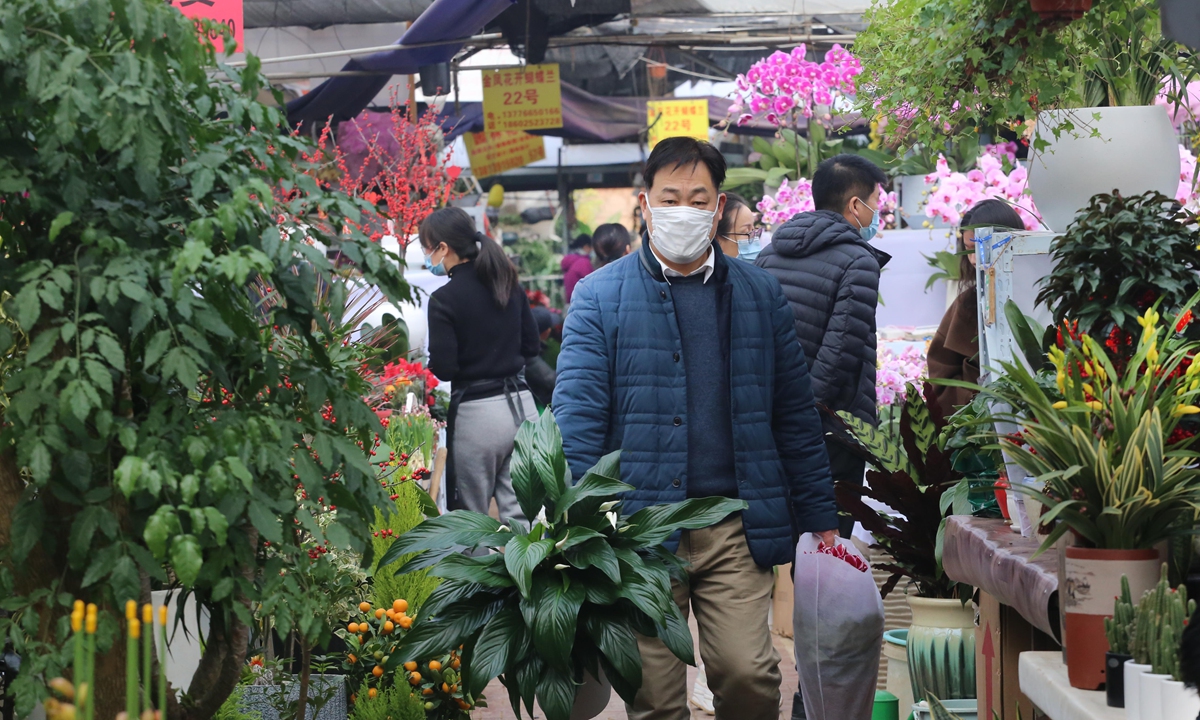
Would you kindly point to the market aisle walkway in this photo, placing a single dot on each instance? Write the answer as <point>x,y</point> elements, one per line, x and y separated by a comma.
<point>500,709</point>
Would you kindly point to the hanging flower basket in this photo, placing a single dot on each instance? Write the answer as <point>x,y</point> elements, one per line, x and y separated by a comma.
<point>1060,9</point>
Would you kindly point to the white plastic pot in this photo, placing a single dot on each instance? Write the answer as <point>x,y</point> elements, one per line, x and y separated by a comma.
<point>1150,701</point>
<point>1133,688</point>
<point>1179,701</point>
<point>1128,149</point>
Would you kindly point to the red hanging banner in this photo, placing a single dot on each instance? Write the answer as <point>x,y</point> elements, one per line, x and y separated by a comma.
<point>222,12</point>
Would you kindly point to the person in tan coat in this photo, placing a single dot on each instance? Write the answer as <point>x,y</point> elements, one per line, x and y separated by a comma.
<point>954,352</point>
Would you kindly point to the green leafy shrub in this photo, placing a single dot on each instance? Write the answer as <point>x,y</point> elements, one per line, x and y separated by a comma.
<point>394,703</point>
<point>386,587</point>
<point>156,424</point>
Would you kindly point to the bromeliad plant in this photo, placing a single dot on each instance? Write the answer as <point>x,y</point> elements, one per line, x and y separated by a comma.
<point>565,597</point>
<point>1114,448</point>
<point>913,474</point>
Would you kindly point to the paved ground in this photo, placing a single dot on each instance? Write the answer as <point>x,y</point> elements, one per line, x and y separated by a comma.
<point>501,710</point>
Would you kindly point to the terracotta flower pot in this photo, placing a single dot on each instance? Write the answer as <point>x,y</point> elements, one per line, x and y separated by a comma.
<point>1060,9</point>
<point>1093,579</point>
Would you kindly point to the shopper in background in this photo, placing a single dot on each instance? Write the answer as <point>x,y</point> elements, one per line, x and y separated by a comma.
<point>538,374</point>
<point>612,242</point>
<point>481,335</point>
<point>576,264</point>
<point>737,232</point>
<point>954,352</point>
<point>687,362</point>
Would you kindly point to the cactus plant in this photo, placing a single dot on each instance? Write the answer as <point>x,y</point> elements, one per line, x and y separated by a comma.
<point>1158,626</point>
<point>1119,627</point>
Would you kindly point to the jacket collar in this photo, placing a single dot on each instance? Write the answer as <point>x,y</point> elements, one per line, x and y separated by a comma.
<point>651,265</point>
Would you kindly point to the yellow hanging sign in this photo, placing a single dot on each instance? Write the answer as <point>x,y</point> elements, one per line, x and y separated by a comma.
<point>676,118</point>
<point>492,153</point>
<point>528,98</point>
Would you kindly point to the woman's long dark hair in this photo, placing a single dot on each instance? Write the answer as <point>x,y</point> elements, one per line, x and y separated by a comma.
<point>610,241</point>
<point>455,227</point>
<point>993,213</point>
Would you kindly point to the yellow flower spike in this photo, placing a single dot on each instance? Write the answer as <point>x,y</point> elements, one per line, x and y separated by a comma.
<point>1193,368</point>
<point>135,628</point>
<point>76,621</point>
<point>162,615</point>
<point>1095,405</point>
<point>90,624</point>
<point>1087,388</point>
<point>1194,384</point>
<point>78,607</point>
<point>1152,353</point>
<point>131,610</point>
<point>1060,405</point>
<point>1181,410</point>
<point>147,614</point>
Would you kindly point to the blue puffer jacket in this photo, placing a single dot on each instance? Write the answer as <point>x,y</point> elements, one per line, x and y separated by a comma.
<point>621,384</point>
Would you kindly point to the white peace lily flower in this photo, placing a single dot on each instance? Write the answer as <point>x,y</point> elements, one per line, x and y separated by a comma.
<point>612,518</point>
<point>504,528</point>
<point>561,567</point>
<point>609,505</point>
<point>541,517</point>
<point>559,545</point>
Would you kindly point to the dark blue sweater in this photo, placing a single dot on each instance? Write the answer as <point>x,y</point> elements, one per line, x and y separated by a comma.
<point>710,461</point>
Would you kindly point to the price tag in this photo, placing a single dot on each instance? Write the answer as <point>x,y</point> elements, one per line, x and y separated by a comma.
<point>223,12</point>
<point>492,153</point>
<point>528,98</point>
<point>676,118</point>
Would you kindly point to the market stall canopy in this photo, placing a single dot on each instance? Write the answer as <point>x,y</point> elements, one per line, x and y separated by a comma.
<point>318,13</point>
<point>343,97</point>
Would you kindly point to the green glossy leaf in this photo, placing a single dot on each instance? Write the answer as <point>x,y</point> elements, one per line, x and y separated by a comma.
<point>186,559</point>
<point>521,556</point>
<point>556,693</point>
<point>654,524</point>
<point>434,637</point>
<point>676,636</point>
<point>554,629</point>
<point>501,642</point>
<point>527,485</point>
<point>548,460</point>
<point>488,570</point>
<point>265,521</point>
<point>457,527</point>
<point>595,553</point>
<point>611,633</point>
<point>604,480</point>
<point>62,220</point>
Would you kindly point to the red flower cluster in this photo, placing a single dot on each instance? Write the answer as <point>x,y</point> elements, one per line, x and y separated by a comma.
<point>1184,321</point>
<point>840,552</point>
<point>410,370</point>
<point>537,297</point>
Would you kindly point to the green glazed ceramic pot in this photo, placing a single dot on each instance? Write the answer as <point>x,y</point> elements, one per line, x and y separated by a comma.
<point>941,649</point>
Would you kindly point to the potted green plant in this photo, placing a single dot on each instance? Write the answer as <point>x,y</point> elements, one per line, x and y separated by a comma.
<point>1117,466</point>
<point>1153,689</point>
<point>913,475</point>
<point>556,614</point>
<point>1120,255</point>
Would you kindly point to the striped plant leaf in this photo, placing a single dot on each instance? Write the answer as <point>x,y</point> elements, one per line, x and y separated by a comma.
<point>888,454</point>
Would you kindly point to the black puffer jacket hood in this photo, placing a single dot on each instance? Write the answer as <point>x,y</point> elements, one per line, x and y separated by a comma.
<point>830,276</point>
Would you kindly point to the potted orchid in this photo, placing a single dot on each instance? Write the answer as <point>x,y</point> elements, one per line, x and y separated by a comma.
<point>995,176</point>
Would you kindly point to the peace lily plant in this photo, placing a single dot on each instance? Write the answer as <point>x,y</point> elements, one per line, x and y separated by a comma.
<point>562,599</point>
<point>1114,447</point>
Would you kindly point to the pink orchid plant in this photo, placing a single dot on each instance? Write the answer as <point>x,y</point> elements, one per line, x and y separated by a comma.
<point>791,200</point>
<point>786,84</point>
<point>895,372</point>
<point>955,192</point>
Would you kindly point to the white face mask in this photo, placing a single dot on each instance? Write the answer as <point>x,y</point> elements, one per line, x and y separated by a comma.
<point>681,234</point>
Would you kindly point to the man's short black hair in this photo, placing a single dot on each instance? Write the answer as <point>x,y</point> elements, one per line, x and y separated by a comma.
<point>676,151</point>
<point>842,177</point>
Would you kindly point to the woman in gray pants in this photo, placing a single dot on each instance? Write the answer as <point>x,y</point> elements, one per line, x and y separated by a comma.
<point>481,334</point>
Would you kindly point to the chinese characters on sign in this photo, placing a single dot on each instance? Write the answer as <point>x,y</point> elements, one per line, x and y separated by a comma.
<point>528,98</point>
<point>676,118</point>
<point>222,12</point>
<point>492,153</point>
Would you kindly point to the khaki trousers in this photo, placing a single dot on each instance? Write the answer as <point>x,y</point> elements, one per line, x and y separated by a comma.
<point>730,595</point>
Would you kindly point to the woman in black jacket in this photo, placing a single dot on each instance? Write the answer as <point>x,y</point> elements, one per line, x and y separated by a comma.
<point>481,334</point>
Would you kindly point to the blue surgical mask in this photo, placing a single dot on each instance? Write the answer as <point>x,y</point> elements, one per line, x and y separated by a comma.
<point>748,250</point>
<point>438,270</point>
<point>871,230</point>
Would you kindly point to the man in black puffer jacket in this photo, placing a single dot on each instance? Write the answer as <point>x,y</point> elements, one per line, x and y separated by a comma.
<point>830,274</point>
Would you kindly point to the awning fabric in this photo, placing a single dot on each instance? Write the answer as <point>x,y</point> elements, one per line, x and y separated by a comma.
<point>344,97</point>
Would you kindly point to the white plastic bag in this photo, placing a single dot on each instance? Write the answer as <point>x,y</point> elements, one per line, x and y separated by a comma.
<point>838,619</point>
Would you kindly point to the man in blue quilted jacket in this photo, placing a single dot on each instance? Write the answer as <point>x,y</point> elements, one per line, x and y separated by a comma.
<point>688,363</point>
